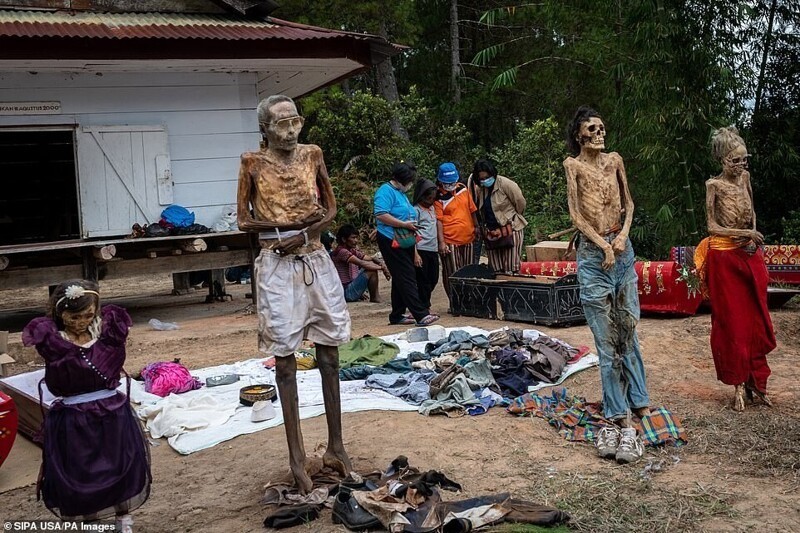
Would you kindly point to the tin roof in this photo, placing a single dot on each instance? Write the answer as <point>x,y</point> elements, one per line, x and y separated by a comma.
<point>123,26</point>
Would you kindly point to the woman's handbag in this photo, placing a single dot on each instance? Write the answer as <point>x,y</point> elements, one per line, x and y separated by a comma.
<point>404,238</point>
<point>500,238</point>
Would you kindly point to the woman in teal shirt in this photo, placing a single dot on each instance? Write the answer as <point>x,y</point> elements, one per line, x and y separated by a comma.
<point>393,210</point>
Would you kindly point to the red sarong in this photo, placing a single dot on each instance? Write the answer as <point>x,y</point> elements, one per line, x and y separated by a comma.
<point>741,328</point>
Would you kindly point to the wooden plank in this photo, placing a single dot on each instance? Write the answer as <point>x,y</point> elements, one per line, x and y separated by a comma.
<point>92,184</point>
<point>116,149</point>
<point>184,263</point>
<point>64,245</point>
<point>164,179</point>
<point>214,146</point>
<point>207,193</point>
<point>198,122</point>
<point>198,171</point>
<point>84,80</point>
<point>111,99</point>
<point>39,277</point>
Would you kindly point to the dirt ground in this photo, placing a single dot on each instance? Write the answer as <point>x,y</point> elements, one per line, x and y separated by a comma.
<point>738,473</point>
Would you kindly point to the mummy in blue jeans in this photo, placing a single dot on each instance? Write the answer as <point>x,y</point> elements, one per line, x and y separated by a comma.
<point>599,199</point>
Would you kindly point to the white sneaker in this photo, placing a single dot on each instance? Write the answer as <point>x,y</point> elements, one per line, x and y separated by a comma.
<point>607,442</point>
<point>630,446</point>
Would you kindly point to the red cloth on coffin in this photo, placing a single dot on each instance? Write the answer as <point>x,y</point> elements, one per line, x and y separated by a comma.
<point>548,268</point>
<point>782,260</point>
<point>741,328</point>
<point>8,425</point>
<point>661,292</point>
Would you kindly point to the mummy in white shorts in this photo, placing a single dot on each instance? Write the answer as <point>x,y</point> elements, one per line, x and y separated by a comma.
<point>299,297</point>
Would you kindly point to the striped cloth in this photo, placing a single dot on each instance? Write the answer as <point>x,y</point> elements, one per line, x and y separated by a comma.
<point>507,260</point>
<point>459,257</point>
<point>579,420</point>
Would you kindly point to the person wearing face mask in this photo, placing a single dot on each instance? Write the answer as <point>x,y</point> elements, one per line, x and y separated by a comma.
<point>457,224</point>
<point>396,218</point>
<point>500,209</point>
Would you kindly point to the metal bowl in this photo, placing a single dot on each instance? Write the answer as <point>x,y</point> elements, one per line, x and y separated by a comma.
<point>255,393</point>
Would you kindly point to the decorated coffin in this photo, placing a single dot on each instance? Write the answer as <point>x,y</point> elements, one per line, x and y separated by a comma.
<point>549,300</point>
<point>782,260</point>
<point>471,295</point>
<point>662,288</point>
<point>8,426</point>
<point>24,391</point>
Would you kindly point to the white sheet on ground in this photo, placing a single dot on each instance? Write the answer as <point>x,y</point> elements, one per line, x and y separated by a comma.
<point>203,418</point>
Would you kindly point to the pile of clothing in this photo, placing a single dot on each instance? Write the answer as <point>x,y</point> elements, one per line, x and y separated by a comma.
<point>400,499</point>
<point>468,374</point>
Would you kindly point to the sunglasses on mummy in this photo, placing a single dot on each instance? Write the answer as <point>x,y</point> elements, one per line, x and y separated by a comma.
<point>285,123</point>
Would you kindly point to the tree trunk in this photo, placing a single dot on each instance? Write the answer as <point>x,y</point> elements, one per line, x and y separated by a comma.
<point>764,56</point>
<point>455,59</point>
<point>387,83</point>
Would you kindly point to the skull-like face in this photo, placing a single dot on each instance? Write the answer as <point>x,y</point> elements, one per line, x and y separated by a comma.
<point>735,163</point>
<point>283,130</point>
<point>593,134</point>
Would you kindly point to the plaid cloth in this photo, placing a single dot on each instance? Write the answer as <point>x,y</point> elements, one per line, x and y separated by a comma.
<point>579,420</point>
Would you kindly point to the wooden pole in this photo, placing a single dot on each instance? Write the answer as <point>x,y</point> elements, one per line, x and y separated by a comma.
<point>104,253</point>
<point>194,245</point>
<point>562,233</point>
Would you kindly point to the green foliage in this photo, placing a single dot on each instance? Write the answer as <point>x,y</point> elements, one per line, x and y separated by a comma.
<point>663,74</point>
<point>791,227</point>
<point>354,196</point>
<point>348,126</point>
<point>356,129</point>
<point>534,160</point>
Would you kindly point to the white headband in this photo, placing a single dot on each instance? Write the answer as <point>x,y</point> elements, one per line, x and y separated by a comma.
<point>74,292</point>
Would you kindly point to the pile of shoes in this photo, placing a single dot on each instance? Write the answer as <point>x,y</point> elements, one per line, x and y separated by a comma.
<point>401,499</point>
<point>348,512</point>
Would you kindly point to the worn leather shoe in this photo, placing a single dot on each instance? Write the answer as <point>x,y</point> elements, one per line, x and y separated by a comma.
<point>348,512</point>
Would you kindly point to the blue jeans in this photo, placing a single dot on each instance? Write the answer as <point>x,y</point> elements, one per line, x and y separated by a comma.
<point>610,301</point>
<point>356,288</point>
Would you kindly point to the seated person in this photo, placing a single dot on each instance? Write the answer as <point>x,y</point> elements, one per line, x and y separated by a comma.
<point>357,271</point>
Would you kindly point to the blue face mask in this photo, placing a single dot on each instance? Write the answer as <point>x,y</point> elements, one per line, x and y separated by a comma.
<point>488,182</point>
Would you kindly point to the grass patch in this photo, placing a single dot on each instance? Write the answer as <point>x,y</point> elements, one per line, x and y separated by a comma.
<point>525,528</point>
<point>621,501</point>
<point>756,443</point>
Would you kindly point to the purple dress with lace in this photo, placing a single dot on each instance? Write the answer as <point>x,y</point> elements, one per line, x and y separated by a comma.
<point>95,457</point>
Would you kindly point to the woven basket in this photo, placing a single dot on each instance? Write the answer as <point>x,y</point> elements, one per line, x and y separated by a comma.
<point>256,393</point>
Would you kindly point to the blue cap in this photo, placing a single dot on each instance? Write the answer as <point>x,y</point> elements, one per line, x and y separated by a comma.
<point>447,173</point>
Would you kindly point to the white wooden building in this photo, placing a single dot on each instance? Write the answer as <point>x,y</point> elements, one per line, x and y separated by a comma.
<point>106,118</point>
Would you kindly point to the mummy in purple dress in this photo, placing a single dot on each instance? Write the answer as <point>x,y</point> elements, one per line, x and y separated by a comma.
<point>96,463</point>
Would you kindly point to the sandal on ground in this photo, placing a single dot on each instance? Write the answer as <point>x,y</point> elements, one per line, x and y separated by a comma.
<point>428,320</point>
<point>405,321</point>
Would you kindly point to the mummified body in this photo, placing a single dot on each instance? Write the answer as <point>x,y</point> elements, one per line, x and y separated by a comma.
<point>733,268</point>
<point>299,292</point>
<point>599,198</point>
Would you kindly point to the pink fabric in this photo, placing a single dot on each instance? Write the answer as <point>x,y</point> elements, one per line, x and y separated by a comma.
<point>163,379</point>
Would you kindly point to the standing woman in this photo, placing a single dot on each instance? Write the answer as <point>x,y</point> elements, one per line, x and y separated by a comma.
<point>96,462</point>
<point>457,224</point>
<point>500,206</point>
<point>397,242</point>
<point>427,257</point>
<point>732,264</point>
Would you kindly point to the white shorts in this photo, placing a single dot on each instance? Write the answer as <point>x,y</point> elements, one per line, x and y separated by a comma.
<point>300,297</point>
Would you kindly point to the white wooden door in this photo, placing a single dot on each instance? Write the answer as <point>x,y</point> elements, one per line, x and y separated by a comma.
<point>124,177</point>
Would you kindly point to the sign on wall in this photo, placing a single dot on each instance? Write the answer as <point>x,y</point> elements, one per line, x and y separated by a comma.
<point>30,108</point>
